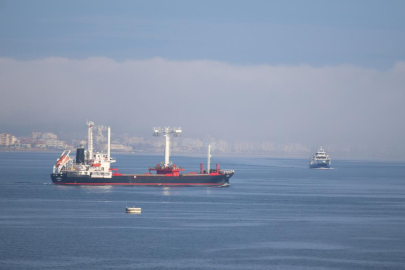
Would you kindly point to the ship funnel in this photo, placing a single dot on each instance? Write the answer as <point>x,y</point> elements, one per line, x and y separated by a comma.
<point>80,155</point>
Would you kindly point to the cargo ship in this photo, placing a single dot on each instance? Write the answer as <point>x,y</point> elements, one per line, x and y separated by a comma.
<point>94,168</point>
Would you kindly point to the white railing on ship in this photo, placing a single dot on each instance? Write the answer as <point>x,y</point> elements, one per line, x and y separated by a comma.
<point>227,171</point>
<point>98,174</point>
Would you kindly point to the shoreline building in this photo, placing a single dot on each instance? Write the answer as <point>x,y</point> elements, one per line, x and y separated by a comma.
<point>7,139</point>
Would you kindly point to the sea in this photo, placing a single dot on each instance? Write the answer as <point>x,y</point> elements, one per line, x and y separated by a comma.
<point>276,214</point>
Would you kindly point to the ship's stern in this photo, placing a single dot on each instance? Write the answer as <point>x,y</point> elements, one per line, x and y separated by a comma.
<point>57,178</point>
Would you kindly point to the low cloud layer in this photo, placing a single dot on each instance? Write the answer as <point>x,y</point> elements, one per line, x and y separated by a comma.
<point>343,105</point>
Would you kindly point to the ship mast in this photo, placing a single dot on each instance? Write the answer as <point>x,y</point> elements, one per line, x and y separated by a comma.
<point>167,149</point>
<point>167,131</point>
<point>90,140</point>
<point>109,144</point>
<point>209,159</point>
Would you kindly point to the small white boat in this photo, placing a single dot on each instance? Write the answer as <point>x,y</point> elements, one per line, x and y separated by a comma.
<point>320,160</point>
<point>133,209</point>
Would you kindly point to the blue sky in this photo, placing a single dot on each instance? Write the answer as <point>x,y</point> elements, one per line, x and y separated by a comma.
<point>318,33</point>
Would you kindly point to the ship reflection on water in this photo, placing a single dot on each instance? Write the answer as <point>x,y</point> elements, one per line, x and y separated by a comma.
<point>166,191</point>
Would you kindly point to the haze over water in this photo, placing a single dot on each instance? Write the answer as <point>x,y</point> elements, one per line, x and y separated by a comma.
<point>314,73</point>
<point>277,214</point>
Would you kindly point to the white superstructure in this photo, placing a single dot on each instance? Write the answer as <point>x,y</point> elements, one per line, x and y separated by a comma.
<point>320,159</point>
<point>95,165</point>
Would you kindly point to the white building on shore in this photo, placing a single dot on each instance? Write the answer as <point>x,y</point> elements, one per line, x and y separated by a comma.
<point>7,139</point>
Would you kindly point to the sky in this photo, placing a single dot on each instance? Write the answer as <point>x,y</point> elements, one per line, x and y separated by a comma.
<point>309,72</point>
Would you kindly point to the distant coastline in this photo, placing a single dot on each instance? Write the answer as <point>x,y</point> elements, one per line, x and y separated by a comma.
<point>347,157</point>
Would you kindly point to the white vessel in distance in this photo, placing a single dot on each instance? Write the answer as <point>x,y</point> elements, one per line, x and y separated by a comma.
<point>320,159</point>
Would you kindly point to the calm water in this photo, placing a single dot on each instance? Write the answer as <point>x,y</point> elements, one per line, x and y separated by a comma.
<point>277,214</point>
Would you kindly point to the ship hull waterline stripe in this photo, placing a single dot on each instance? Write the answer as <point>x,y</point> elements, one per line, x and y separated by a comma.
<point>139,184</point>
